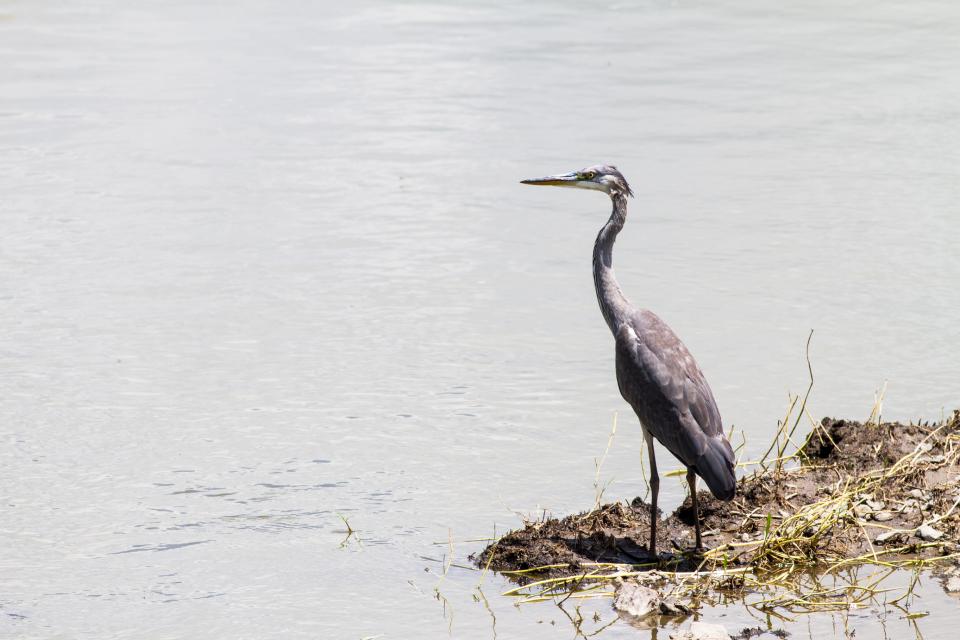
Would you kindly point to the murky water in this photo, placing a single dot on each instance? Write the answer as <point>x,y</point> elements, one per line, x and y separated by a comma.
<point>267,266</point>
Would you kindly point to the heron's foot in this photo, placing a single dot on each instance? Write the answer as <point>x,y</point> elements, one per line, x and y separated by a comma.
<point>633,552</point>
<point>696,552</point>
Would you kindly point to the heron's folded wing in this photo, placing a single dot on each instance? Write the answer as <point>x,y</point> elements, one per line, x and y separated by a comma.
<point>663,383</point>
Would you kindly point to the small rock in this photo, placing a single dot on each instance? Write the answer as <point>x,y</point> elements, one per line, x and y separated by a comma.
<point>916,493</point>
<point>636,599</point>
<point>887,536</point>
<point>909,506</point>
<point>745,537</point>
<point>876,505</point>
<point>672,608</point>
<point>861,510</point>
<point>953,585</point>
<point>640,601</point>
<point>882,516</point>
<point>926,532</point>
<point>701,631</point>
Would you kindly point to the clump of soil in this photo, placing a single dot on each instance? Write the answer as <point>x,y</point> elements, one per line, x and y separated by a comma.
<point>887,489</point>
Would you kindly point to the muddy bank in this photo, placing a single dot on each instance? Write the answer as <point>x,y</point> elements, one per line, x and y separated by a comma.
<point>852,491</point>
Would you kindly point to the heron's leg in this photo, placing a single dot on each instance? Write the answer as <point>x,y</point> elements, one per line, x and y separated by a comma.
<point>654,490</point>
<point>692,481</point>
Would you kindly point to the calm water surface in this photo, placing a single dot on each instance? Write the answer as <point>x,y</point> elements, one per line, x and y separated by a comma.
<point>269,265</point>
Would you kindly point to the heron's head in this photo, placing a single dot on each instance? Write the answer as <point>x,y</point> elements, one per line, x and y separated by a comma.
<point>602,177</point>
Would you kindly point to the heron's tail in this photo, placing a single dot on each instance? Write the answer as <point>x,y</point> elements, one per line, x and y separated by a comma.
<point>716,467</point>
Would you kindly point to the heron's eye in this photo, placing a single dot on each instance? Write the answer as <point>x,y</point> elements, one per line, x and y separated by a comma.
<point>588,175</point>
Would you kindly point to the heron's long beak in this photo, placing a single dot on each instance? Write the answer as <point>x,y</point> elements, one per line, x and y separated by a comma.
<point>561,180</point>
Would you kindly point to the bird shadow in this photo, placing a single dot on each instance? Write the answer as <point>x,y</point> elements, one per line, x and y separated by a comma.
<point>603,541</point>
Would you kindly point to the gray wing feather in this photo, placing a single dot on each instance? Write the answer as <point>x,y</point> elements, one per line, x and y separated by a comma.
<point>662,382</point>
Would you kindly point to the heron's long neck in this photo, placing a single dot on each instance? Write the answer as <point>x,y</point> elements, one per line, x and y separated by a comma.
<point>613,304</point>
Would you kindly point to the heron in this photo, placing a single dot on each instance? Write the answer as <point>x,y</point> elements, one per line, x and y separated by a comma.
<point>656,374</point>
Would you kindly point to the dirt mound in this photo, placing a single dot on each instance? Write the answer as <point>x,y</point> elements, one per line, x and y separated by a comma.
<point>889,490</point>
